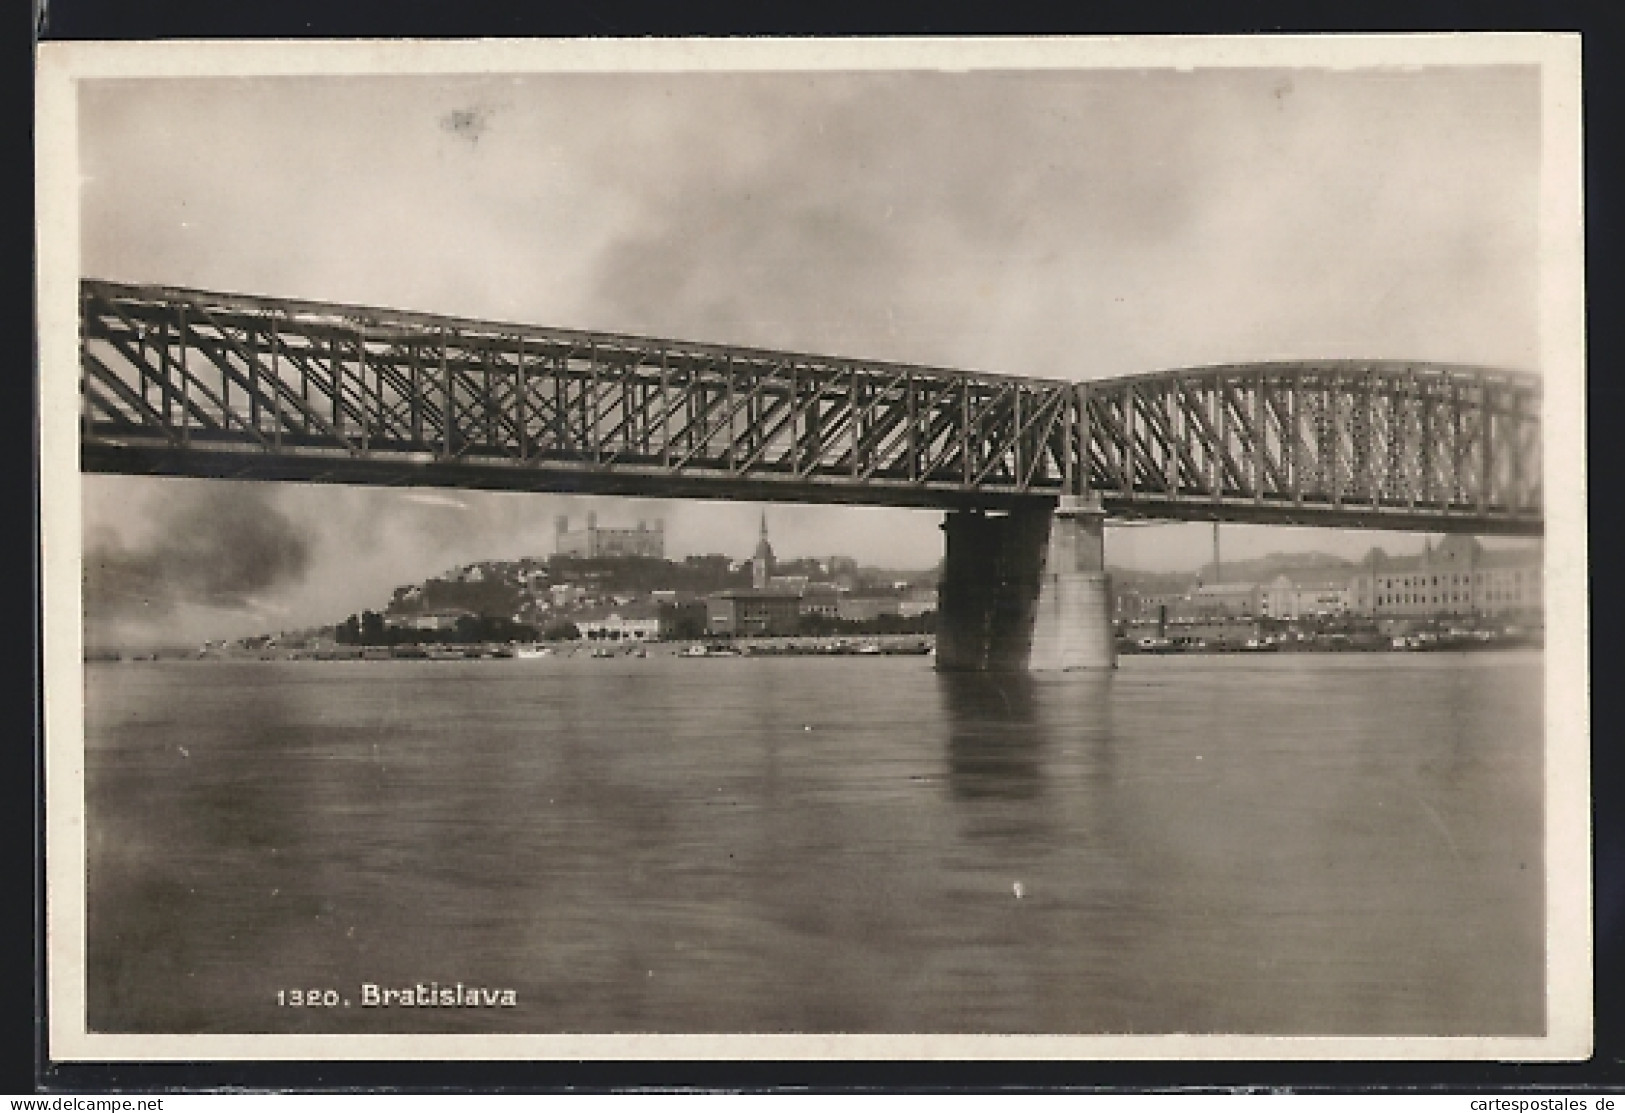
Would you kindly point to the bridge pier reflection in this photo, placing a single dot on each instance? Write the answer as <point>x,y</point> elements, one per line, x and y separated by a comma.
<point>994,742</point>
<point>1025,590</point>
<point>1028,755</point>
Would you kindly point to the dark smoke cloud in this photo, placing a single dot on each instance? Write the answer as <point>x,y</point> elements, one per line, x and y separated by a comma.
<point>1086,223</point>
<point>849,215</point>
<point>213,547</point>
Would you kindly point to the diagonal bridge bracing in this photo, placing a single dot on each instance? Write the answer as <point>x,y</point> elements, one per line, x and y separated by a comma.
<point>185,382</point>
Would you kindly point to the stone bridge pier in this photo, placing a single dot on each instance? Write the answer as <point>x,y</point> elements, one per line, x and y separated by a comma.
<point>1026,590</point>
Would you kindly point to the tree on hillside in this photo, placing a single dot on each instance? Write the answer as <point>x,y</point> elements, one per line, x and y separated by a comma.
<point>563,632</point>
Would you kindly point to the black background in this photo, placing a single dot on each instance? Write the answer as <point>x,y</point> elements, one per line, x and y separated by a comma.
<point>26,1069</point>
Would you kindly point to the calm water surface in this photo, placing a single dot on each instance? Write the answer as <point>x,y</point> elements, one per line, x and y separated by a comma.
<point>1315,844</point>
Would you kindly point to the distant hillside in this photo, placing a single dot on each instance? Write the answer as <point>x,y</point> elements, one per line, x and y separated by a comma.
<point>1152,583</point>
<point>1268,567</point>
<point>504,588</point>
<point>546,590</point>
<point>1256,570</point>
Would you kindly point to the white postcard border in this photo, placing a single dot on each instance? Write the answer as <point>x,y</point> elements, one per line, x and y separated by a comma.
<point>1568,802</point>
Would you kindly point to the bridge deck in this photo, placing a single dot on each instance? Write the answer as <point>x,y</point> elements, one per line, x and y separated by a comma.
<point>186,382</point>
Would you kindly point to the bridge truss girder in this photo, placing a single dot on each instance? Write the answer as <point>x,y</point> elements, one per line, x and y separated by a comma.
<point>193,383</point>
<point>1335,443</point>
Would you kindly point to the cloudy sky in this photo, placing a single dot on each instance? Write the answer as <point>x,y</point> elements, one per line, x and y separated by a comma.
<point>1077,224</point>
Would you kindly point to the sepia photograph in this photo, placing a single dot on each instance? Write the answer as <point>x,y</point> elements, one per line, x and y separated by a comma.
<point>884,549</point>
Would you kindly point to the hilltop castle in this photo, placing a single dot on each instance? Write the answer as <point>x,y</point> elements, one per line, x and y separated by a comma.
<point>607,541</point>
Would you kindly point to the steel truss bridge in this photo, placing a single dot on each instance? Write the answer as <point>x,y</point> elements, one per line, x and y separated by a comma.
<point>186,382</point>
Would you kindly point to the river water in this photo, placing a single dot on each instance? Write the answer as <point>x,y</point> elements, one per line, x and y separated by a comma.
<point>1296,844</point>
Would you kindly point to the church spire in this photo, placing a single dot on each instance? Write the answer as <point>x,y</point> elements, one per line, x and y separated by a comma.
<point>762,563</point>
